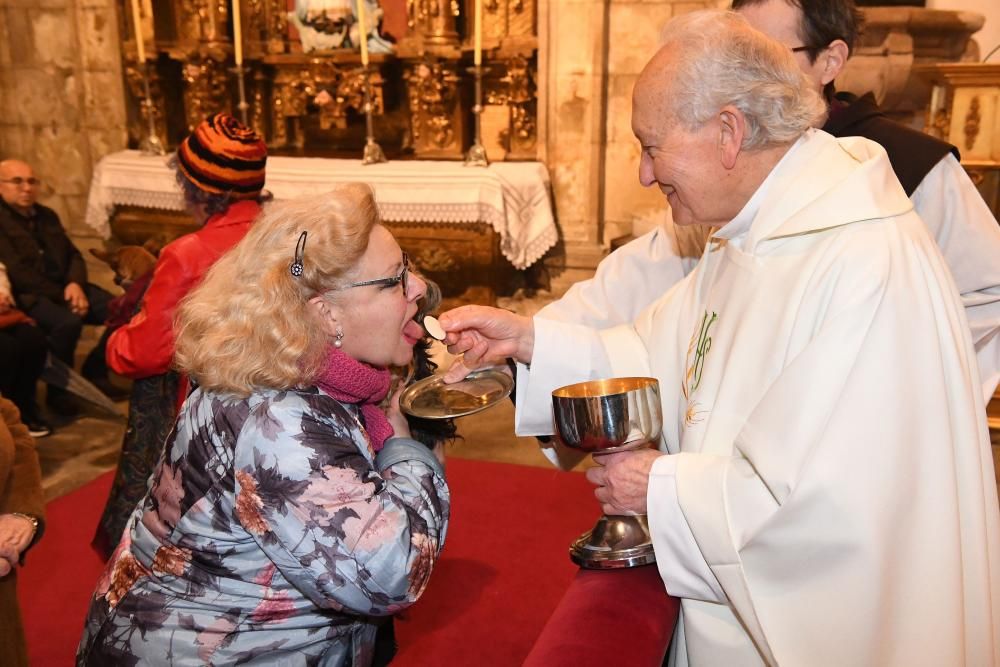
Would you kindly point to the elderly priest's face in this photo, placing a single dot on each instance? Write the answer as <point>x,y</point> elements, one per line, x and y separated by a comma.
<point>685,164</point>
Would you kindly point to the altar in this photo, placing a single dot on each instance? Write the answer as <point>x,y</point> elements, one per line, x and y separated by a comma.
<point>468,228</point>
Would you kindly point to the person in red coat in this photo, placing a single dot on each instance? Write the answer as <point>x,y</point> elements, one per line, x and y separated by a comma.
<point>220,169</point>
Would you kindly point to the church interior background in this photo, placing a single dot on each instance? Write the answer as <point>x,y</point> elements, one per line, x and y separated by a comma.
<point>557,78</point>
<point>556,87</point>
<point>561,188</point>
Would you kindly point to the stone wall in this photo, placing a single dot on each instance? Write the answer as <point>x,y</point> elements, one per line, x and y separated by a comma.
<point>591,53</point>
<point>593,50</point>
<point>61,97</point>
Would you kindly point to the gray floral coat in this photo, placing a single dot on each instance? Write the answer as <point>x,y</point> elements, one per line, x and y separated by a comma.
<point>271,534</point>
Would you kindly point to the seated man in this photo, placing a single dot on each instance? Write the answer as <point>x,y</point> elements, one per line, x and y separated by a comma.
<point>824,490</point>
<point>48,276</point>
<point>22,358</point>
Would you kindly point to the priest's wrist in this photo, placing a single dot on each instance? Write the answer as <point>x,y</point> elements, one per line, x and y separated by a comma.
<point>526,343</point>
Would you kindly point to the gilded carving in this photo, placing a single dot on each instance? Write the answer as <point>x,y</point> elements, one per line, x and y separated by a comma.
<point>258,116</point>
<point>521,99</point>
<point>281,82</point>
<point>277,25</point>
<point>136,86</point>
<point>295,89</point>
<point>972,119</point>
<point>435,259</point>
<point>434,19</point>
<point>205,88</point>
<point>432,90</point>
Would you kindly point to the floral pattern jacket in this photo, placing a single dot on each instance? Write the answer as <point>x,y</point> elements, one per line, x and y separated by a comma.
<point>271,534</point>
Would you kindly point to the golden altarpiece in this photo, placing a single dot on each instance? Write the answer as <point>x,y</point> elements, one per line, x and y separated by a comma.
<point>421,90</point>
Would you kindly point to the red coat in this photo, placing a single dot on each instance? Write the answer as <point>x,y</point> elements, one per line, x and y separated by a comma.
<point>145,346</point>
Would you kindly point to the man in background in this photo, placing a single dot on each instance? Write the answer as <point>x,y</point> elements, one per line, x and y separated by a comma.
<point>48,277</point>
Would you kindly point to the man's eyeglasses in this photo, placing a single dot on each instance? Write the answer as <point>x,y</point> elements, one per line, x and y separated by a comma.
<point>799,49</point>
<point>387,282</point>
<point>17,181</point>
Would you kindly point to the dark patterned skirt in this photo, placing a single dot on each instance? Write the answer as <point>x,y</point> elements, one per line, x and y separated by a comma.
<point>150,418</point>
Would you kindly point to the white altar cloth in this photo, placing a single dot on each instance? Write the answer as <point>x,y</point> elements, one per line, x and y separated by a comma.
<point>512,197</point>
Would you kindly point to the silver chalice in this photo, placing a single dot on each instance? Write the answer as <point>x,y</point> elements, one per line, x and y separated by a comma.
<point>601,417</point>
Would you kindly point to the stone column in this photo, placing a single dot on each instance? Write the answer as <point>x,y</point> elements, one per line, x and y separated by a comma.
<point>591,52</point>
<point>572,78</point>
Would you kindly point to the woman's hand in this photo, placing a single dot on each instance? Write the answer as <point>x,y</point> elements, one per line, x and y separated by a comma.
<point>15,536</point>
<point>400,427</point>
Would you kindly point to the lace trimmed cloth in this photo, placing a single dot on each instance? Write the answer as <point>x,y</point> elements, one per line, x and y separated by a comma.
<point>514,198</point>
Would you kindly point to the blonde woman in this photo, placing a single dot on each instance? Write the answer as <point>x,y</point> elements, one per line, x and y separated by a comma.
<point>289,513</point>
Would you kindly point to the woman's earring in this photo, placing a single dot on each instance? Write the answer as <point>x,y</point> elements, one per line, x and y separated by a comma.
<point>339,342</point>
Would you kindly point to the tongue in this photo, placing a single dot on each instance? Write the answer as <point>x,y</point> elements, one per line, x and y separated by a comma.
<point>413,330</point>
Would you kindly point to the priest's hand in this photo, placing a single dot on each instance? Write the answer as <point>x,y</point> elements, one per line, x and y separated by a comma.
<point>622,479</point>
<point>485,336</point>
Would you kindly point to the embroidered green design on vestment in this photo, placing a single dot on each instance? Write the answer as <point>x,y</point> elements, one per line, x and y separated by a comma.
<point>699,346</point>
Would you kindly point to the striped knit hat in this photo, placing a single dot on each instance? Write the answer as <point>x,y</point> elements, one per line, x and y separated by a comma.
<point>223,156</point>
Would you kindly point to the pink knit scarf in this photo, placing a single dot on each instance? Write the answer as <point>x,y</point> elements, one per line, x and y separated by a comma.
<point>353,381</point>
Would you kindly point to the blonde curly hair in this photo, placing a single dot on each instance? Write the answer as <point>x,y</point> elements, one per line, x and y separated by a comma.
<point>249,325</point>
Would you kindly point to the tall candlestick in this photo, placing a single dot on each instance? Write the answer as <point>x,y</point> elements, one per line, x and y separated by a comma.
<point>140,47</point>
<point>478,54</point>
<point>237,34</point>
<point>362,32</point>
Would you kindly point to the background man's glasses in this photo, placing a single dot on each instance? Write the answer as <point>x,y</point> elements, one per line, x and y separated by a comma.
<point>17,182</point>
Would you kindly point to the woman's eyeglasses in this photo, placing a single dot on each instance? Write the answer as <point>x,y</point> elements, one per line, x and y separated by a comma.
<point>398,279</point>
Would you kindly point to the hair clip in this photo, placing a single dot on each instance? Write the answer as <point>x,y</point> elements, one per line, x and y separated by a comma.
<point>300,249</point>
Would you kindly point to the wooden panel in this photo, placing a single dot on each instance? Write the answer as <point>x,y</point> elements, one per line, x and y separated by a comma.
<point>463,259</point>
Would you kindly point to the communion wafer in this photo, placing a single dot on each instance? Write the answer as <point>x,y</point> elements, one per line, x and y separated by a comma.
<point>433,327</point>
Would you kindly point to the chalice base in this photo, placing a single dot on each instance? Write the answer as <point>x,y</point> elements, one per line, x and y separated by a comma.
<point>614,542</point>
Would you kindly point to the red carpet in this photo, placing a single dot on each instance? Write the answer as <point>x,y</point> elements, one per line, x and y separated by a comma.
<point>58,577</point>
<point>504,568</point>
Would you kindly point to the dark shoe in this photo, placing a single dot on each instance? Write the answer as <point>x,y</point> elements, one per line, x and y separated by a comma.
<point>37,427</point>
<point>62,402</point>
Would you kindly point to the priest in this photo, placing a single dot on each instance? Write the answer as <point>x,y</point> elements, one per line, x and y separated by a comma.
<point>823,492</point>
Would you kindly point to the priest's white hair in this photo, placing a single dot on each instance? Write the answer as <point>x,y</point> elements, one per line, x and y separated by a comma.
<point>725,61</point>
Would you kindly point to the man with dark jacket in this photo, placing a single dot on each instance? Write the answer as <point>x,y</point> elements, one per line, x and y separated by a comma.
<point>48,275</point>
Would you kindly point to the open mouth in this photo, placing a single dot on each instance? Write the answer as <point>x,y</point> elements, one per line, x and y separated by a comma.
<point>412,332</point>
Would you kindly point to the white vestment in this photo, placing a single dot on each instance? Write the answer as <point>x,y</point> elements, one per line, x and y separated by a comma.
<point>637,274</point>
<point>829,497</point>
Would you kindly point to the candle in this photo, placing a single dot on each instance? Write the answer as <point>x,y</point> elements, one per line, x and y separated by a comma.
<point>363,33</point>
<point>237,34</point>
<point>137,24</point>
<point>478,54</point>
